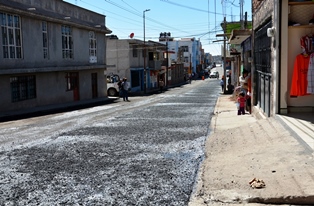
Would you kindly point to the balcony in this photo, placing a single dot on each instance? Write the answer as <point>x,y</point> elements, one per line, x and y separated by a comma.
<point>154,64</point>
<point>186,54</point>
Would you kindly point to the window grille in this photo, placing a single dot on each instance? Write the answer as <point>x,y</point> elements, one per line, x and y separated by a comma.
<point>45,39</point>
<point>11,36</point>
<point>92,44</point>
<point>67,42</point>
<point>23,88</point>
<point>263,76</point>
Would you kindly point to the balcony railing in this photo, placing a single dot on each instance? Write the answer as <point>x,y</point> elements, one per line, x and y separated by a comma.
<point>154,64</point>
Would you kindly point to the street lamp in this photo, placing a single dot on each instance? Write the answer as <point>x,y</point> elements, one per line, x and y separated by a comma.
<point>144,49</point>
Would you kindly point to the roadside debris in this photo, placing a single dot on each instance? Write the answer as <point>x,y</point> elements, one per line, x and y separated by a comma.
<point>257,183</point>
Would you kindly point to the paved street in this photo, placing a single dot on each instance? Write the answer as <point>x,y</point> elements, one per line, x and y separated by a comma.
<point>144,152</point>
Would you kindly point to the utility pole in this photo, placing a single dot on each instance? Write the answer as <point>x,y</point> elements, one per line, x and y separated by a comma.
<point>144,50</point>
<point>225,77</point>
<point>167,64</point>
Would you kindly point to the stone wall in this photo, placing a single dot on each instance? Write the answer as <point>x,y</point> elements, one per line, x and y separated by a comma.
<point>262,12</point>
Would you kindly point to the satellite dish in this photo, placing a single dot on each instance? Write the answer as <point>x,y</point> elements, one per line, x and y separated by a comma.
<point>131,35</point>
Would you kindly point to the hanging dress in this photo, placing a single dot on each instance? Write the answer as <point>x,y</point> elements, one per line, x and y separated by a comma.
<point>299,78</point>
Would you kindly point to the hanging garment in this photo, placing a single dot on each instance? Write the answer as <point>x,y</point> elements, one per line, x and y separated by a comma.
<point>307,44</point>
<point>299,77</point>
<point>310,76</point>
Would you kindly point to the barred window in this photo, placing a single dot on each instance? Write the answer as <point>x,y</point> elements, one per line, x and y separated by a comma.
<point>11,36</point>
<point>185,48</point>
<point>67,42</point>
<point>45,39</point>
<point>92,43</point>
<point>23,88</point>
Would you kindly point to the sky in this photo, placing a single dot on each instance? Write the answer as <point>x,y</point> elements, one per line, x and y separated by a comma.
<point>200,19</point>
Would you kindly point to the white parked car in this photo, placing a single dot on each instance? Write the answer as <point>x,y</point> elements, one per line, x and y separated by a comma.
<point>112,85</point>
<point>214,74</point>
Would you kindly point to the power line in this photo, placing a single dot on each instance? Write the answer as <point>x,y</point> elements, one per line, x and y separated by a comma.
<point>140,15</point>
<point>193,8</point>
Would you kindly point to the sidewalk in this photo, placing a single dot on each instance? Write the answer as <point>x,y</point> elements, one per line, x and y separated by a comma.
<point>244,147</point>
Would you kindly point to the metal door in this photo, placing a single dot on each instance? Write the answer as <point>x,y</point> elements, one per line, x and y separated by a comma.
<point>262,59</point>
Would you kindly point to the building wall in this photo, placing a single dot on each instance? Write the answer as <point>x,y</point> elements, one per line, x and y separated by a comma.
<point>32,38</point>
<point>50,73</point>
<point>118,58</point>
<point>48,94</point>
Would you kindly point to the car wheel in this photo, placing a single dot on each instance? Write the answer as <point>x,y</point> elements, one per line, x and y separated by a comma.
<point>112,92</point>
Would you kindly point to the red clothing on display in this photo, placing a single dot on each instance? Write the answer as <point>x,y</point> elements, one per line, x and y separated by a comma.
<point>299,78</point>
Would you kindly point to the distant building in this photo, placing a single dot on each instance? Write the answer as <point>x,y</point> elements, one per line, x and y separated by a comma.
<point>186,50</point>
<point>125,57</point>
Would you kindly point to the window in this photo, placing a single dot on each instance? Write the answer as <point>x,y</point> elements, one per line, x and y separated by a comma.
<point>23,88</point>
<point>92,44</point>
<point>134,51</point>
<point>45,39</point>
<point>11,36</point>
<point>185,48</point>
<point>186,59</point>
<point>67,42</point>
<point>92,48</point>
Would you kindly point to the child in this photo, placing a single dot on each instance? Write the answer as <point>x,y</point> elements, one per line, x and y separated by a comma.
<point>241,101</point>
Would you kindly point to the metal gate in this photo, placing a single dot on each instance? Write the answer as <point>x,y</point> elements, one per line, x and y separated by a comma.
<point>262,59</point>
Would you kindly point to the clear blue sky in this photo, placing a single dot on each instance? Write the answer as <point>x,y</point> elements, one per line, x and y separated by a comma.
<point>182,18</point>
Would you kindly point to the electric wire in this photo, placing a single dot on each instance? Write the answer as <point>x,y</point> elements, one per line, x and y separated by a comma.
<point>130,9</point>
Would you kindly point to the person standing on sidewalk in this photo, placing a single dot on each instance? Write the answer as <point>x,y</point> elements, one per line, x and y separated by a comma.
<point>222,84</point>
<point>161,84</point>
<point>125,90</point>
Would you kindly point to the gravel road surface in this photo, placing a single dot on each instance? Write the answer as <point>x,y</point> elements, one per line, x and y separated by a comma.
<point>144,152</point>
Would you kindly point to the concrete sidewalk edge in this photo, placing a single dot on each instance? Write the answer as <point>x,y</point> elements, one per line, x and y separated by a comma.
<point>197,197</point>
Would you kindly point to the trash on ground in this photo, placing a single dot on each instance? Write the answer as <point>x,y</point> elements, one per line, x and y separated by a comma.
<point>257,183</point>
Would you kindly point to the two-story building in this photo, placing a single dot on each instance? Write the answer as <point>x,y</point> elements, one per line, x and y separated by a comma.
<point>187,51</point>
<point>52,52</point>
<point>126,58</point>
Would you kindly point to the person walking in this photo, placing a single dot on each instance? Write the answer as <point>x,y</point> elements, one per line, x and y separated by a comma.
<point>161,85</point>
<point>125,89</point>
<point>222,84</point>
